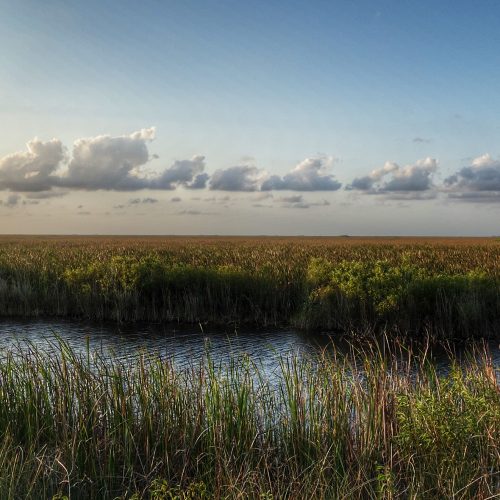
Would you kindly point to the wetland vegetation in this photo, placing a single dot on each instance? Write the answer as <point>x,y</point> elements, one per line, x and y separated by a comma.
<point>446,287</point>
<point>351,424</point>
<point>358,425</point>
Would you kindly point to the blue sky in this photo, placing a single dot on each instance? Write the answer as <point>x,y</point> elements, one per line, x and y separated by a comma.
<point>261,85</point>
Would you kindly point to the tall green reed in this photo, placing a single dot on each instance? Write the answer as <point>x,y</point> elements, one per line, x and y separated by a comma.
<point>363,425</point>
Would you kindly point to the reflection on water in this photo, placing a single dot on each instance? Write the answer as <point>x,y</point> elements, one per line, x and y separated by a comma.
<point>189,345</point>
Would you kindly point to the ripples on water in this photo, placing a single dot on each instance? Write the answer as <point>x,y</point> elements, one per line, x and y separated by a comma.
<point>190,346</point>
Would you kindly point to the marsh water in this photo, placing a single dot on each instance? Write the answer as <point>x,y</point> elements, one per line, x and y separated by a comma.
<point>188,346</point>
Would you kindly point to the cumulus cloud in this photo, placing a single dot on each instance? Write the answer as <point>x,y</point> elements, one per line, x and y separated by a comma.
<point>119,163</point>
<point>32,170</point>
<point>199,182</point>
<point>312,174</point>
<point>96,163</point>
<point>367,182</point>
<point>416,177</point>
<point>479,182</point>
<point>407,182</point>
<point>110,163</point>
<point>238,178</point>
<point>187,173</point>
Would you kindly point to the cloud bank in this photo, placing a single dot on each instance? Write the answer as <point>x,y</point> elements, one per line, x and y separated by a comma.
<point>122,163</point>
<point>312,174</point>
<point>96,163</point>
<point>118,164</point>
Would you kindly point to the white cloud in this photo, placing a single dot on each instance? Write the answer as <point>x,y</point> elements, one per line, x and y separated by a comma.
<point>187,173</point>
<point>479,182</point>
<point>96,163</point>
<point>110,163</point>
<point>407,182</point>
<point>33,169</point>
<point>312,174</point>
<point>118,164</point>
<point>238,178</point>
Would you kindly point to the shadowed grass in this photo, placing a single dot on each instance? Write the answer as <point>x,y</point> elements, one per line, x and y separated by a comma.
<point>451,288</point>
<point>354,426</point>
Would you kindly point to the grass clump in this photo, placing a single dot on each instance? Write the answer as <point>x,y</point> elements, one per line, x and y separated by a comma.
<point>342,426</point>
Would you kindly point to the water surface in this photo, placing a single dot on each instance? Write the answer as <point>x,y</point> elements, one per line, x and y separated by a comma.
<point>191,345</point>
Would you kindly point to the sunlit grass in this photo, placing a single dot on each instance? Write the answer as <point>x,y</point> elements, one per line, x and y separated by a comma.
<point>347,426</point>
<point>449,287</point>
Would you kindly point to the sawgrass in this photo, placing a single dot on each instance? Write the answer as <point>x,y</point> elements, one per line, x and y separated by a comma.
<point>446,287</point>
<point>362,425</point>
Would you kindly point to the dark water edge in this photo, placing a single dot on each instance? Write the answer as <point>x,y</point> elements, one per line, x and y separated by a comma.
<point>188,345</point>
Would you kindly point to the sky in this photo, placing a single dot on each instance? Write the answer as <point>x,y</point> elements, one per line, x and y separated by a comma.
<point>264,117</point>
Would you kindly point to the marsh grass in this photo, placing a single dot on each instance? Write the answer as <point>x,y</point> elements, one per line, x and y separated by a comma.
<point>362,425</point>
<point>451,287</point>
<point>346,294</point>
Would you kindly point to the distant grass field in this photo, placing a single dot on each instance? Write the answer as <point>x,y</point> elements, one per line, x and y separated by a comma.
<point>444,286</point>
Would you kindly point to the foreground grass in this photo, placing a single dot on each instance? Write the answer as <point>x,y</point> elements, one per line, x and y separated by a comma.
<point>360,426</point>
<point>448,287</point>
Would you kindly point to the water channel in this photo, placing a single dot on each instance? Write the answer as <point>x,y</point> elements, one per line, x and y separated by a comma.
<point>191,345</point>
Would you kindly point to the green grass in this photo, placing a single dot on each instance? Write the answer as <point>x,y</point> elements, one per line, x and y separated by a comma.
<point>449,288</point>
<point>350,426</point>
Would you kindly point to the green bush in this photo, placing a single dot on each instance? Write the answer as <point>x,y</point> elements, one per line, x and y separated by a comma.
<point>358,292</point>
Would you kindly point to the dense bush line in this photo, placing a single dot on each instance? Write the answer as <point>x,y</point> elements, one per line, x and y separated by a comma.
<point>448,287</point>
